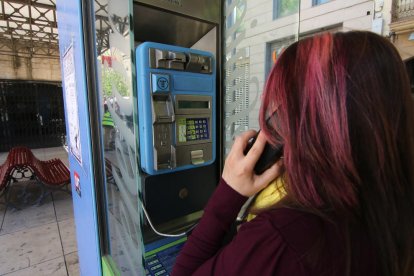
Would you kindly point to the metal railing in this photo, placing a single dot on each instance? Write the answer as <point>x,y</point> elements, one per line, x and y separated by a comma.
<point>31,114</point>
<point>402,10</point>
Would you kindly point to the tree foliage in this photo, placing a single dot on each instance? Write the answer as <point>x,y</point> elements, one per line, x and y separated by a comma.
<point>287,7</point>
<point>111,77</point>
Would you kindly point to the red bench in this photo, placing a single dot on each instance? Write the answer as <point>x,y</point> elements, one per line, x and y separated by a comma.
<point>22,164</point>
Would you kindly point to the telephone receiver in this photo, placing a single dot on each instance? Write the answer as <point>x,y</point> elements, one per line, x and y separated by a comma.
<point>270,155</point>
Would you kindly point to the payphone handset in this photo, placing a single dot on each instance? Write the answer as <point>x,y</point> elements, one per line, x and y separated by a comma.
<point>177,107</point>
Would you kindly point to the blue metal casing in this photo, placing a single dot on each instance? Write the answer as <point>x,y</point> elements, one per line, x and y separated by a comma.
<point>84,204</point>
<point>176,83</point>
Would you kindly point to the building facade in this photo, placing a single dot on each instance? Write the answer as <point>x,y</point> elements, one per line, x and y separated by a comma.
<point>263,28</point>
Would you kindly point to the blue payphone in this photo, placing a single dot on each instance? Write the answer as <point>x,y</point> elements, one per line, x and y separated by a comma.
<point>177,129</point>
<point>177,107</point>
<point>177,133</point>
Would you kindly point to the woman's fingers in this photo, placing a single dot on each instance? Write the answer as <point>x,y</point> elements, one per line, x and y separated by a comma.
<point>240,143</point>
<point>269,175</point>
<point>238,168</point>
<point>256,151</point>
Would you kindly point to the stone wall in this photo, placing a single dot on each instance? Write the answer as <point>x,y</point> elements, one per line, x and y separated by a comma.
<point>24,68</point>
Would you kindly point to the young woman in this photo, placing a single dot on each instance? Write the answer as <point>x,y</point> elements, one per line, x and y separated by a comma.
<point>341,105</point>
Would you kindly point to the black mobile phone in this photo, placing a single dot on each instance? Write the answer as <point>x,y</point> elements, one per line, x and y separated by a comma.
<point>271,154</point>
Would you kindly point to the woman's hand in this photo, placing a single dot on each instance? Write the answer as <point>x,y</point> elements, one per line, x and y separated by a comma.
<point>238,169</point>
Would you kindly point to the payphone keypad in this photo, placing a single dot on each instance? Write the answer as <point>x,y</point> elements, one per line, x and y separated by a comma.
<point>197,129</point>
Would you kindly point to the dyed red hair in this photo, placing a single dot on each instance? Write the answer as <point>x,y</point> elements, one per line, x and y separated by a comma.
<point>344,114</point>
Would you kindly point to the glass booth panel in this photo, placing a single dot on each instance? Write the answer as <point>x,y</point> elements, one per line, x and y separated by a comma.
<point>115,45</point>
<point>254,37</point>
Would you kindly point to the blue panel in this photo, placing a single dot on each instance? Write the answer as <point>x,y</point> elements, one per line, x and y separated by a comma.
<point>192,83</point>
<point>70,35</point>
<point>179,83</point>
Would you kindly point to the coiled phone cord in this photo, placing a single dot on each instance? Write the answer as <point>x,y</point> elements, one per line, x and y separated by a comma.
<point>164,234</point>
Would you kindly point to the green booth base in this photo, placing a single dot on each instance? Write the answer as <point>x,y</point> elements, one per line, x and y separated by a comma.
<point>159,257</point>
<point>109,267</point>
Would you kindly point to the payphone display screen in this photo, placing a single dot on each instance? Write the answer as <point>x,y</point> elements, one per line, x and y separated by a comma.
<point>193,129</point>
<point>193,104</point>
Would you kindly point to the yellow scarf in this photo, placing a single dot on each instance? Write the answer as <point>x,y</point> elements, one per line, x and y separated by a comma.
<point>268,196</point>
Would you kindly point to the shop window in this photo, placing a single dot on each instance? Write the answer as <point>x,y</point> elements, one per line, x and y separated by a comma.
<point>283,8</point>
<point>275,49</point>
<point>318,2</point>
<point>235,14</point>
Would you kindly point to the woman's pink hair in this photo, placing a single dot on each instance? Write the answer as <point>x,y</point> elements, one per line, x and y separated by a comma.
<point>341,105</point>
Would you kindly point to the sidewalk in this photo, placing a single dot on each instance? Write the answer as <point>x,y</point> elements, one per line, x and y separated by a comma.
<point>39,240</point>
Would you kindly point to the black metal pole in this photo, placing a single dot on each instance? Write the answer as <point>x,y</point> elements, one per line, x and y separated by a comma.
<point>88,28</point>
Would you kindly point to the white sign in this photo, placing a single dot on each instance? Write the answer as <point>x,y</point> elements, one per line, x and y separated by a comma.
<point>72,111</point>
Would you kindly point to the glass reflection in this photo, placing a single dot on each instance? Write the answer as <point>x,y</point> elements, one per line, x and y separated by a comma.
<point>114,48</point>
<point>246,35</point>
<point>242,89</point>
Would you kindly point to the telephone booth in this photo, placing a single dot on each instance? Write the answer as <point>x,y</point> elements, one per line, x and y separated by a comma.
<point>154,92</point>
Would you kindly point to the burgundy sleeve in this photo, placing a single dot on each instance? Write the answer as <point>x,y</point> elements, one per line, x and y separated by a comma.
<point>257,249</point>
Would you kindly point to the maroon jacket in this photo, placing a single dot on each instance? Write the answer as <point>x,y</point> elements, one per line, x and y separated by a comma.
<point>282,241</point>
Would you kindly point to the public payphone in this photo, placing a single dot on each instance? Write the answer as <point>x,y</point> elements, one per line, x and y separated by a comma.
<point>177,141</point>
<point>177,128</point>
<point>177,103</point>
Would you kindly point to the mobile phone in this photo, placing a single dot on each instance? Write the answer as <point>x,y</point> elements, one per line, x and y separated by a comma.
<point>270,155</point>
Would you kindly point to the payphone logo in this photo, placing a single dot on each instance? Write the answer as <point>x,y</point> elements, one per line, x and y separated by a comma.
<point>162,83</point>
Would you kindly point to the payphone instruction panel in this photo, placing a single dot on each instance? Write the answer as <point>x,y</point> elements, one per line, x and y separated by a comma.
<point>177,107</point>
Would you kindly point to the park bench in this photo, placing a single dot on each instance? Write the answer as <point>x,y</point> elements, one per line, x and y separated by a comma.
<point>21,164</point>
